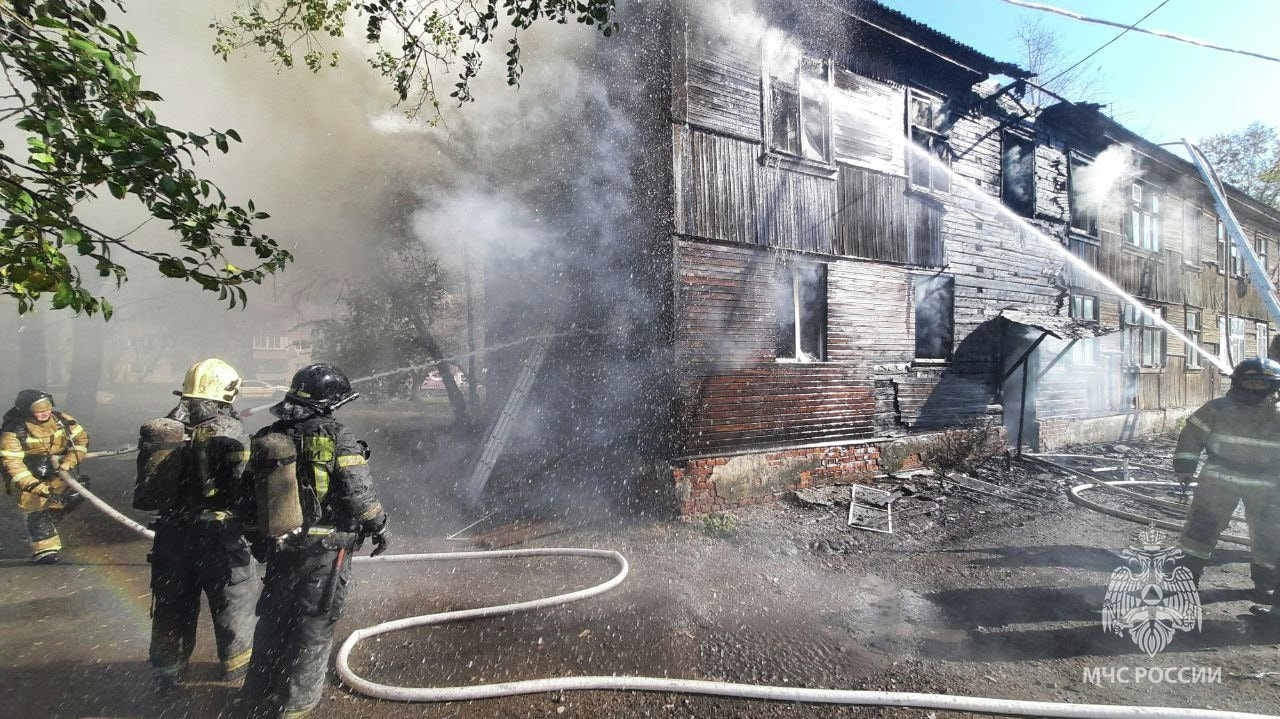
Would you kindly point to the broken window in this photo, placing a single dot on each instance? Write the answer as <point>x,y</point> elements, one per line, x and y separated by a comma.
<point>929,158</point>
<point>1083,201</point>
<point>935,316</point>
<point>801,313</point>
<point>1194,331</point>
<point>1084,307</point>
<point>799,105</point>
<point>1018,173</point>
<point>1142,343</point>
<point>1142,218</point>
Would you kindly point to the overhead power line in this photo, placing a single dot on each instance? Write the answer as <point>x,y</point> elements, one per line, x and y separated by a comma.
<point>1082,60</point>
<point>1157,33</point>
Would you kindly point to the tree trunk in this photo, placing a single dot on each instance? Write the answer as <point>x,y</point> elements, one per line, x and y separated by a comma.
<point>33,358</point>
<point>428,343</point>
<point>86,368</point>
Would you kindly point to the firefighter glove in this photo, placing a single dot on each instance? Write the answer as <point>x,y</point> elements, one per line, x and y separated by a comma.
<point>1185,479</point>
<point>381,540</point>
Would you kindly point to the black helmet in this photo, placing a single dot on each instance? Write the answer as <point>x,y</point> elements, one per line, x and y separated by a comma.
<point>1257,369</point>
<point>320,386</point>
<point>27,400</point>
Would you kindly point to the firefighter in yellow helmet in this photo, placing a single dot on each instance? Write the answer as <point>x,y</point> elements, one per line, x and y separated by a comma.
<point>35,441</point>
<point>200,545</point>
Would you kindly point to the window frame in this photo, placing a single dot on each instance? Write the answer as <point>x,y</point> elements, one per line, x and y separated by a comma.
<point>1191,359</point>
<point>1150,335</point>
<point>1231,341</point>
<point>1142,227</point>
<point>1262,335</point>
<point>771,83</point>
<point>1236,261</point>
<point>800,319</point>
<point>1009,137</point>
<point>1090,212</point>
<point>937,141</point>
<point>1084,353</point>
<point>918,282</point>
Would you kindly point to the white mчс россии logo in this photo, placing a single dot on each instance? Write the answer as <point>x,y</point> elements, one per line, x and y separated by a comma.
<point>1153,597</point>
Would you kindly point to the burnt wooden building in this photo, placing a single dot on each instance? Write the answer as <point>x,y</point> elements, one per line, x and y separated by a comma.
<point>865,224</point>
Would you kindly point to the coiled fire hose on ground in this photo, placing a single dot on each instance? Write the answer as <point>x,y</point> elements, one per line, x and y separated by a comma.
<point>982,705</point>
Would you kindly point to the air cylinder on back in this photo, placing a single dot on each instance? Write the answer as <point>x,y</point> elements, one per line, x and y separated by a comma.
<point>160,457</point>
<point>275,481</point>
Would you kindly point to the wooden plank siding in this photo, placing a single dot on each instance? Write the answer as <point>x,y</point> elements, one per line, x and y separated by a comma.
<point>723,84</point>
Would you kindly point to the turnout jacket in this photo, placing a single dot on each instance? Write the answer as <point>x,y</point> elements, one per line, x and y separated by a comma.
<point>334,481</point>
<point>25,450</point>
<point>214,462</point>
<point>1241,441</point>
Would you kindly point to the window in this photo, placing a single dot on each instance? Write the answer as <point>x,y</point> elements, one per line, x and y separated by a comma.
<point>1018,174</point>
<point>1260,249</point>
<point>1084,351</point>
<point>1084,204</point>
<point>1192,223</point>
<point>801,311</point>
<point>1224,242</point>
<point>1142,218</point>
<point>1234,339</point>
<point>800,108</point>
<point>935,316</point>
<point>1142,341</point>
<point>926,122</point>
<point>1262,333</point>
<point>269,342</point>
<point>1194,331</point>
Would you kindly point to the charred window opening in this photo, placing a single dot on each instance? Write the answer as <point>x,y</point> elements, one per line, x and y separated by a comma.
<point>1142,218</point>
<point>1084,307</point>
<point>935,316</point>
<point>799,116</point>
<point>1194,330</point>
<point>1018,173</point>
<point>1228,254</point>
<point>1084,204</point>
<point>801,311</point>
<point>926,125</point>
<point>1143,340</point>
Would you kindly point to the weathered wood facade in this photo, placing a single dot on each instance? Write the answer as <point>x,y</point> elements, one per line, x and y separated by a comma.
<point>835,288</point>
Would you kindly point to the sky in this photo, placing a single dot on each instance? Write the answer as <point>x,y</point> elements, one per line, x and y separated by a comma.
<point>1162,89</point>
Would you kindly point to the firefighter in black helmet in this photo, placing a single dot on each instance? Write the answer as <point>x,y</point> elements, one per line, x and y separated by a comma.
<point>1240,435</point>
<point>200,547</point>
<point>308,568</point>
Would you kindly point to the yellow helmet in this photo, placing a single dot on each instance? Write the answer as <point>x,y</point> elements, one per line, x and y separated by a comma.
<point>211,379</point>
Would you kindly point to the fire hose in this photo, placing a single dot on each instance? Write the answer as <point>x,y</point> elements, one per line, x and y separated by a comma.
<point>851,697</point>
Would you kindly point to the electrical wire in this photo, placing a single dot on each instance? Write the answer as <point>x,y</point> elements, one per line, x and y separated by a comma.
<point>1082,60</point>
<point>1157,33</point>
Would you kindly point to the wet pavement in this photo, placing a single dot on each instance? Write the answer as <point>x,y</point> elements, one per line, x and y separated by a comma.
<point>971,595</point>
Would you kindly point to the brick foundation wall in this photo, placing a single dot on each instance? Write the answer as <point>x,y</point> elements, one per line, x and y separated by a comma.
<point>713,484</point>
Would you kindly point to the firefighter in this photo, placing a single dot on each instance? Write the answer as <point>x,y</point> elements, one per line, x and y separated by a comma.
<point>200,546</point>
<point>329,490</point>
<point>35,442</point>
<point>1240,433</point>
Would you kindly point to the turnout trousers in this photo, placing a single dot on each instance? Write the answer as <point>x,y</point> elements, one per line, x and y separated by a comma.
<point>43,533</point>
<point>303,596</point>
<point>1211,508</point>
<point>187,559</point>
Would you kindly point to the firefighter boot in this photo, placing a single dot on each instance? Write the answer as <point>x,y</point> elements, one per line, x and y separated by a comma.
<point>1195,565</point>
<point>1264,583</point>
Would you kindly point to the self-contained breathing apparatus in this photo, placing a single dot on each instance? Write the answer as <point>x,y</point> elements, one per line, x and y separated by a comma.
<point>161,453</point>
